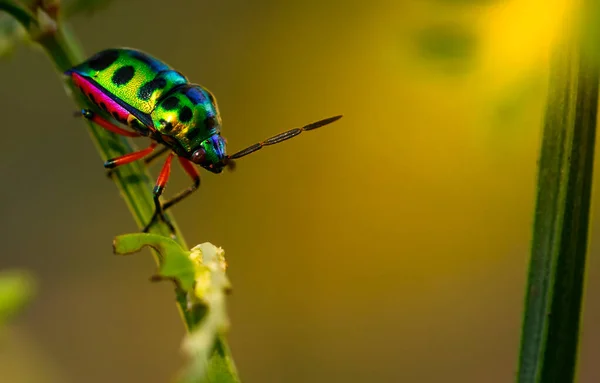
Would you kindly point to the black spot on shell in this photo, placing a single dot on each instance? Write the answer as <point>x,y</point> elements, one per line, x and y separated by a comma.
<point>193,134</point>
<point>185,114</point>
<point>170,103</point>
<point>210,122</point>
<point>148,88</point>
<point>103,60</point>
<point>116,116</point>
<point>166,126</point>
<point>123,75</point>
<point>135,124</point>
<point>138,126</point>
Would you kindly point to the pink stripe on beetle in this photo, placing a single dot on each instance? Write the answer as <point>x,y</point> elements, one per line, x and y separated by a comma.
<point>100,99</point>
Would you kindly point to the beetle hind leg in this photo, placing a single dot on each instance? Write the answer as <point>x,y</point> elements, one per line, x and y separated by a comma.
<point>95,118</point>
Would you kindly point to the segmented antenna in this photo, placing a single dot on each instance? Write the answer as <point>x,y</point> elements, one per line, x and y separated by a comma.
<point>282,137</point>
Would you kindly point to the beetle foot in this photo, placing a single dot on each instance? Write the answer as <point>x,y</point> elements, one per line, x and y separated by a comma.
<point>159,215</point>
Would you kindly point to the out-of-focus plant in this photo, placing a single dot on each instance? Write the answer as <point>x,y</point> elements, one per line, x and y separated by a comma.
<point>16,289</point>
<point>554,293</point>
<point>42,22</point>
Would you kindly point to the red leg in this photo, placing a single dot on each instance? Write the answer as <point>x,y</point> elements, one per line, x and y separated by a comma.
<point>192,171</point>
<point>130,157</point>
<point>107,125</point>
<point>161,183</point>
<point>163,177</point>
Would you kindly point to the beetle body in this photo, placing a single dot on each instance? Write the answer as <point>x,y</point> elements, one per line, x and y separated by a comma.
<point>152,98</point>
<point>134,89</point>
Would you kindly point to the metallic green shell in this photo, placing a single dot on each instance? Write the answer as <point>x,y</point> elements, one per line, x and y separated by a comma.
<point>182,115</point>
<point>134,77</point>
<point>189,115</point>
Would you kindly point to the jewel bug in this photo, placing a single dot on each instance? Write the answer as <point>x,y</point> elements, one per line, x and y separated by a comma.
<point>130,88</point>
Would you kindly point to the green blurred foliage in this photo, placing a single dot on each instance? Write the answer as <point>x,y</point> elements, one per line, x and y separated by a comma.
<point>16,289</point>
<point>453,47</point>
<point>11,33</point>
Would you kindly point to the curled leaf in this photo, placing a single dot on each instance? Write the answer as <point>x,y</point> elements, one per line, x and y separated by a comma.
<point>175,261</point>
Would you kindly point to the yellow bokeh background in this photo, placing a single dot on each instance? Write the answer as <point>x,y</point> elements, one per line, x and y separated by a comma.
<point>391,246</point>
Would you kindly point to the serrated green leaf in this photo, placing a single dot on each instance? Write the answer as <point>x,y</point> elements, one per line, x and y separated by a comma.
<point>16,289</point>
<point>175,261</point>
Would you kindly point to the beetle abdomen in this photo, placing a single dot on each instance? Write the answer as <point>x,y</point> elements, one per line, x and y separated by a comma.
<point>100,99</point>
<point>134,77</point>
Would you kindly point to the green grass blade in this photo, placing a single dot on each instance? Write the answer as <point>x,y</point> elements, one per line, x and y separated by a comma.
<point>560,233</point>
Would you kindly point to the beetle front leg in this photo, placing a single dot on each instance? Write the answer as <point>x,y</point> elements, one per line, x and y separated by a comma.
<point>161,183</point>
<point>191,170</point>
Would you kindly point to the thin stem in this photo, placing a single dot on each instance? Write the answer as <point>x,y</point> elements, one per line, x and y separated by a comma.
<point>133,181</point>
<point>23,15</point>
<point>560,234</point>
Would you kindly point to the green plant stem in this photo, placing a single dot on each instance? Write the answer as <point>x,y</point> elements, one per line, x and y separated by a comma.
<point>554,292</point>
<point>21,14</point>
<point>133,180</point>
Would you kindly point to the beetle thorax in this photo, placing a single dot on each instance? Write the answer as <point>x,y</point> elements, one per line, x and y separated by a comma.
<point>187,118</point>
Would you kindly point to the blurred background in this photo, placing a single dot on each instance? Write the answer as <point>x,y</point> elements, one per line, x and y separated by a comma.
<point>391,246</point>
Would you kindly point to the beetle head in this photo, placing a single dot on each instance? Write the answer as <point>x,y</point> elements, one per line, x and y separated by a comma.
<point>212,154</point>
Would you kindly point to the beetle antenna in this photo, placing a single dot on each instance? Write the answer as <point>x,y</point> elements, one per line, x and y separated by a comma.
<point>282,137</point>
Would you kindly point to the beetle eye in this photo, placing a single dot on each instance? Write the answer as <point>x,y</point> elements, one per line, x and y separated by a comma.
<point>198,156</point>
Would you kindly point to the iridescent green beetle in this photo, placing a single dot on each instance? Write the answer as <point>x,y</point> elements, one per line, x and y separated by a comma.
<point>135,89</point>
